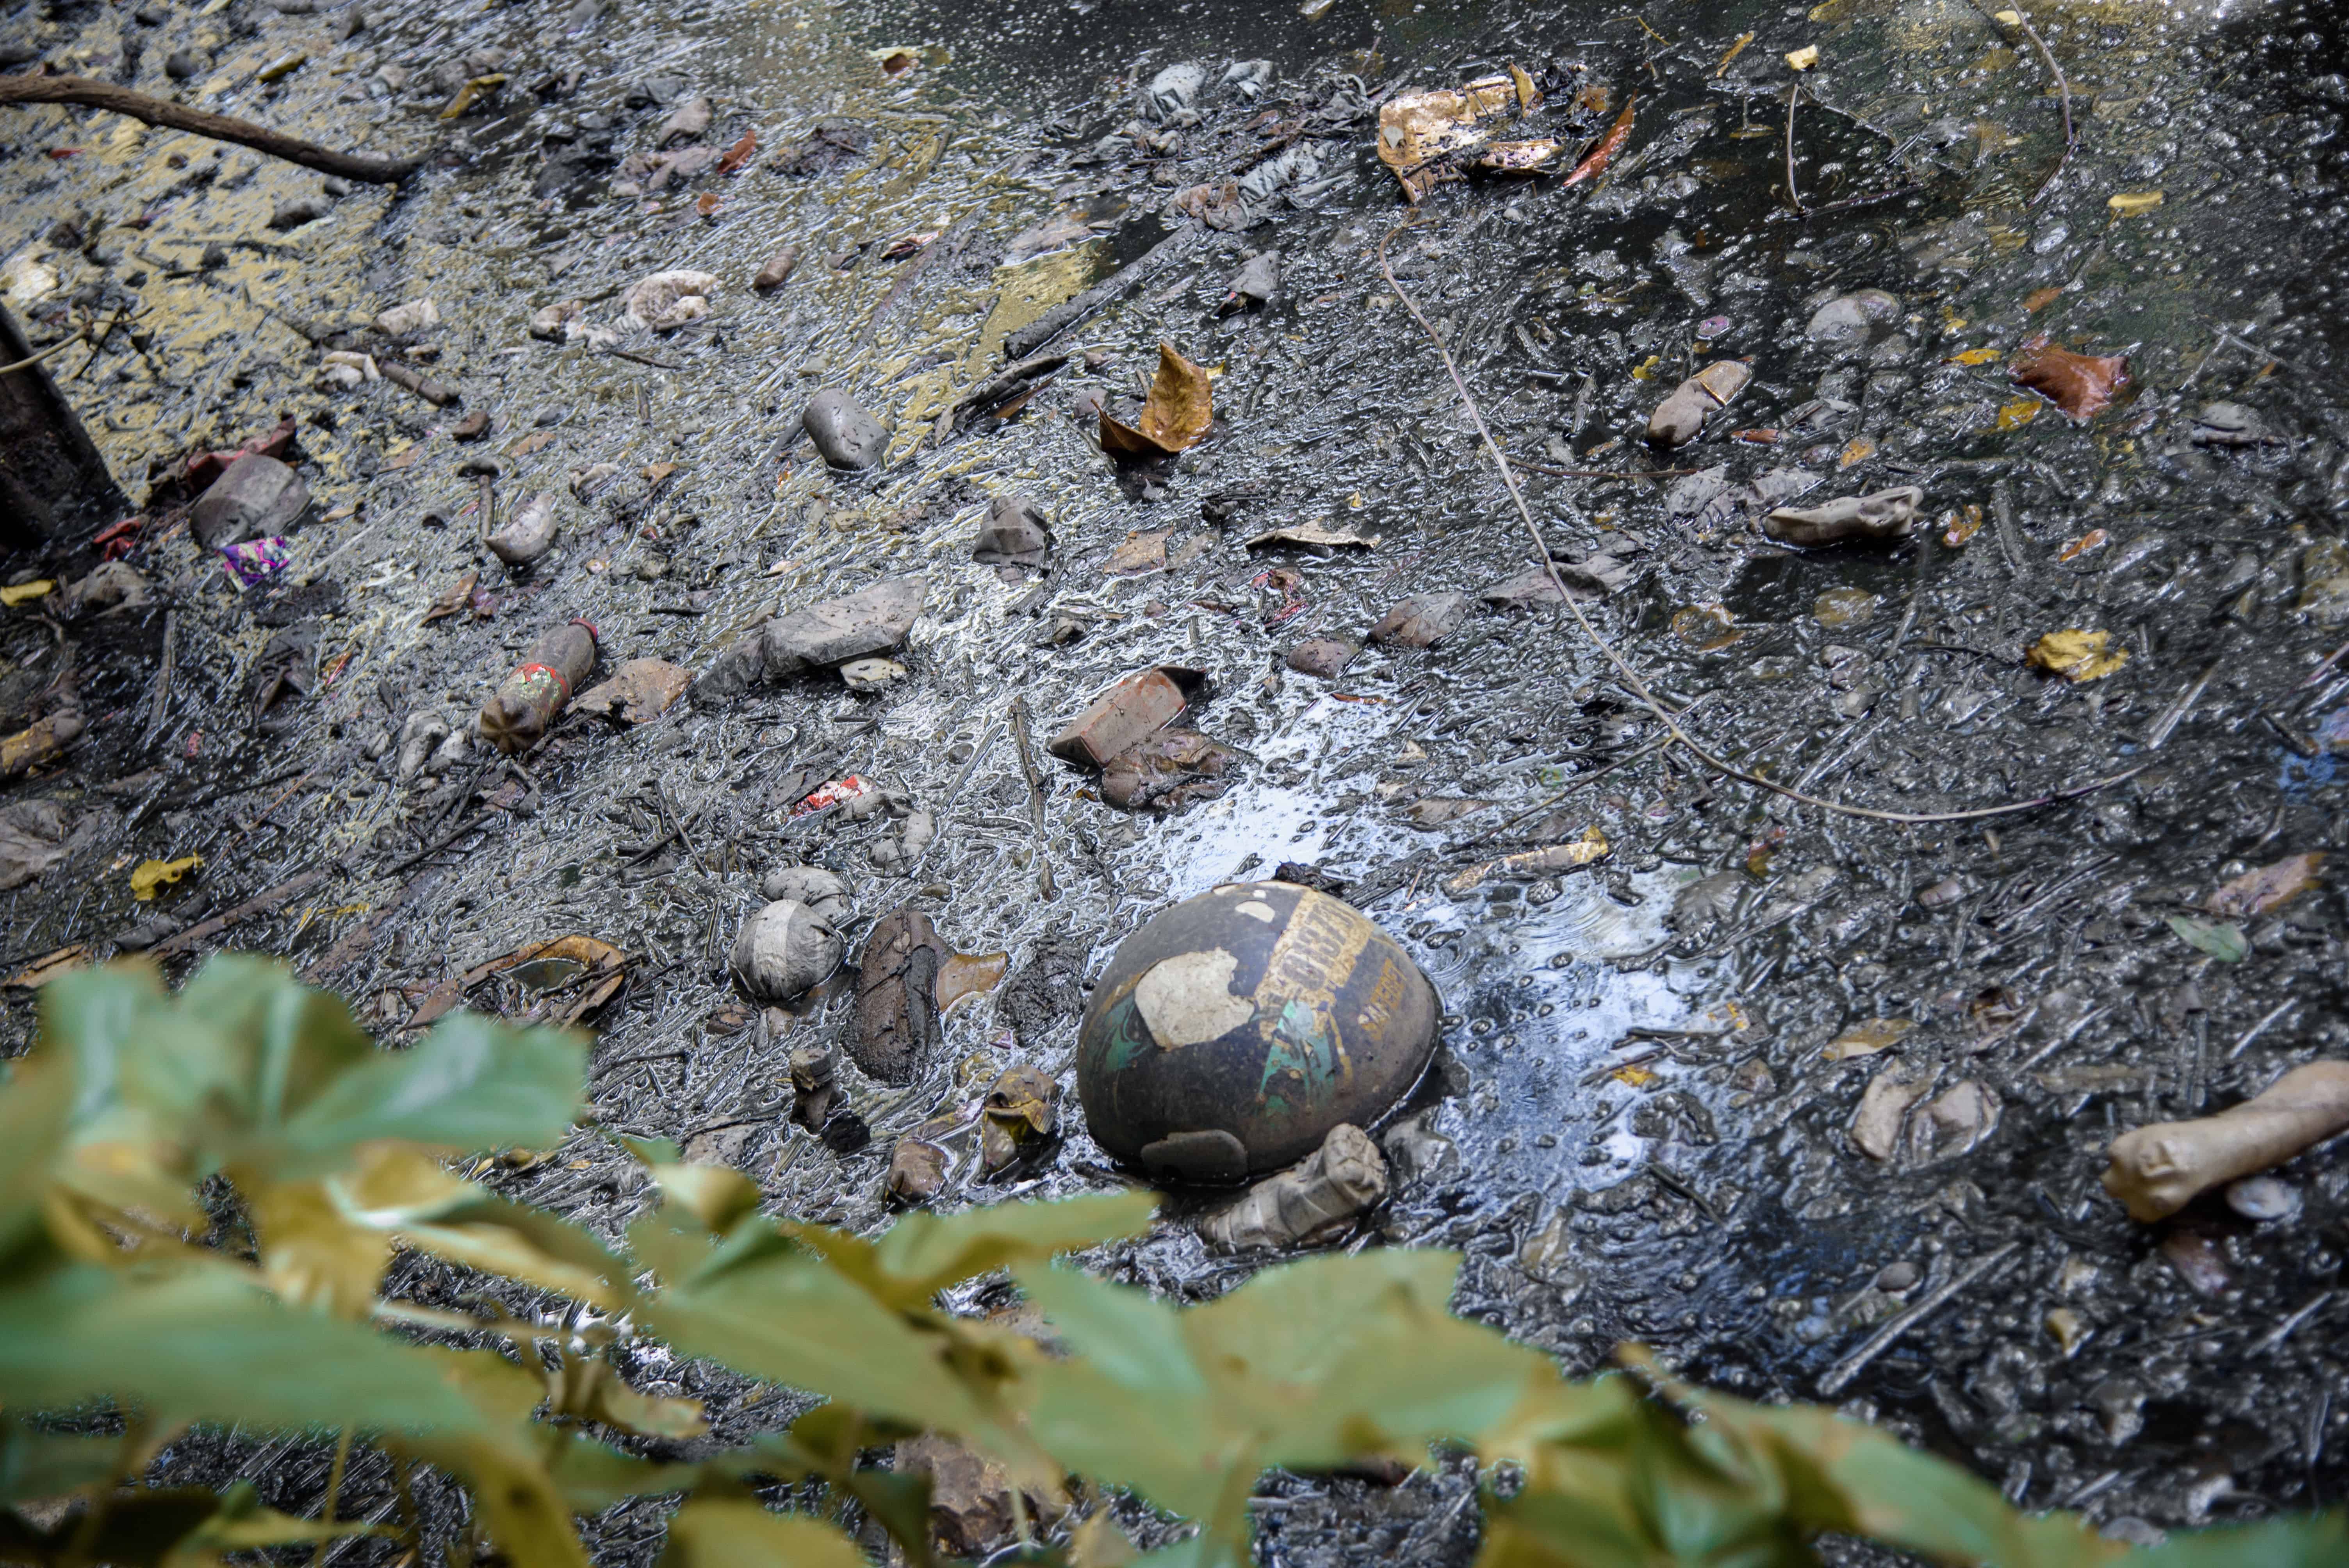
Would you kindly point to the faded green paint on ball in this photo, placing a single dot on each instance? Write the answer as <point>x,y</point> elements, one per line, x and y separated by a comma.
<point>1234,1030</point>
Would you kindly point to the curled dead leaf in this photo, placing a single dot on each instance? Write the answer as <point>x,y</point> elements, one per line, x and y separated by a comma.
<point>2078,655</point>
<point>1180,408</point>
<point>2259,890</point>
<point>2082,385</point>
<point>591,971</point>
<point>1423,134</point>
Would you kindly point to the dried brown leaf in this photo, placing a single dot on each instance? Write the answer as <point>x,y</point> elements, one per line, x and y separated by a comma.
<point>2082,385</point>
<point>1180,408</point>
<point>2260,891</point>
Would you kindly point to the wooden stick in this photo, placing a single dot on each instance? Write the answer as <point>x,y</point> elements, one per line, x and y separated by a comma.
<point>25,87</point>
<point>172,945</point>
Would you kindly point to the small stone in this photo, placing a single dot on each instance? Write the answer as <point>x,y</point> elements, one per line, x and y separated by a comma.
<point>471,428</point>
<point>295,210</point>
<point>667,300</point>
<point>405,320</point>
<point>917,1170</point>
<point>1014,534</point>
<point>1840,608</point>
<point>1850,318</point>
<point>846,436</point>
<point>688,122</point>
<point>1897,1277</point>
<point>1326,657</point>
<point>2262,1198</point>
<point>255,498</point>
<point>871,674</point>
<point>825,892</point>
<point>182,63</point>
<point>782,951</point>
<point>833,633</point>
<point>2226,425</point>
<point>1884,514</point>
<point>1172,90</point>
<point>778,269</point>
<point>529,533</point>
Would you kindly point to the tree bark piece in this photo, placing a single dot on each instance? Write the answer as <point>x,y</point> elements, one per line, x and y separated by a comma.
<point>24,87</point>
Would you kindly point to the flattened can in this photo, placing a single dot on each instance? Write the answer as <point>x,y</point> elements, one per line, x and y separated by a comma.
<point>1234,1030</point>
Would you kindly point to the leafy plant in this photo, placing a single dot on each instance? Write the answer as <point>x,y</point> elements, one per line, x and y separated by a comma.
<point>121,1292</point>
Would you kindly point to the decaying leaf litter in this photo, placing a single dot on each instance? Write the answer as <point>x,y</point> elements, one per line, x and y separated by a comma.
<point>1649,1139</point>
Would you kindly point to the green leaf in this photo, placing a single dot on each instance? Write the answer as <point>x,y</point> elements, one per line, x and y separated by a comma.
<point>2320,1541</point>
<point>469,1084</point>
<point>788,1317</point>
<point>34,1104</point>
<point>735,1532</point>
<point>2222,940</point>
<point>207,1345</point>
<point>48,1464</point>
<point>923,1253</point>
<point>593,1476</point>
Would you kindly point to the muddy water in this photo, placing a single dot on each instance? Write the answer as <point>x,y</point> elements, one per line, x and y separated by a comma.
<point>1649,1141</point>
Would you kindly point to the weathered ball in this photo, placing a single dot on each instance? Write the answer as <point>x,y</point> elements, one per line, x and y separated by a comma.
<point>782,950</point>
<point>1233,1031</point>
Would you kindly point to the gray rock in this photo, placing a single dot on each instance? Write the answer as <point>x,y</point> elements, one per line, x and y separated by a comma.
<point>831,632</point>
<point>530,532</point>
<point>825,892</point>
<point>686,122</point>
<point>257,496</point>
<point>848,436</point>
<point>296,211</point>
<point>182,63</point>
<point>1848,318</point>
<point>783,950</point>
<point>1013,535</point>
<point>2227,425</point>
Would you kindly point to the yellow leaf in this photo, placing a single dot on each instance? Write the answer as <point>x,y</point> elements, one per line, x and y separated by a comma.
<point>12,597</point>
<point>1634,1075</point>
<point>1804,58</point>
<point>1858,450</point>
<point>1867,1040</point>
<point>1646,369</point>
<point>311,1254</point>
<point>2078,655</point>
<point>2021,412</point>
<point>2133,204</point>
<point>150,876</point>
<point>2074,549</point>
<point>1976,356</point>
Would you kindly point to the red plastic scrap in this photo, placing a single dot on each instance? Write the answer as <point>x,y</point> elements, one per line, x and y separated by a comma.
<point>120,539</point>
<point>206,466</point>
<point>839,792</point>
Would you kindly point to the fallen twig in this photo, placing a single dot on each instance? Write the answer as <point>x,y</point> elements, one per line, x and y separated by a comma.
<point>2063,87</point>
<point>1793,195</point>
<point>25,87</point>
<point>1631,676</point>
<point>259,904</point>
<point>1875,1344</point>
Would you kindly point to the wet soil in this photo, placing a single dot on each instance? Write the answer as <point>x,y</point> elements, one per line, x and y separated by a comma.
<point>1649,1136</point>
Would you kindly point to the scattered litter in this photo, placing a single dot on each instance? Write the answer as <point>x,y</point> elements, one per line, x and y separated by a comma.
<point>255,560</point>
<point>1020,1115</point>
<point>153,876</point>
<point>782,951</point>
<point>1316,1201</point>
<point>2159,1169</point>
<point>2076,654</point>
<point>1232,1031</point>
<point>1315,535</point>
<point>539,687</point>
<point>1884,514</point>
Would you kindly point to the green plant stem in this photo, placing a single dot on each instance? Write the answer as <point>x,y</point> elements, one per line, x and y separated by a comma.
<point>333,1493</point>
<point>93,1519</point>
